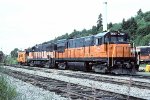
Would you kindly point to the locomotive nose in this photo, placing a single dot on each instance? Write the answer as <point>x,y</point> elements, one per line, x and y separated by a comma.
<point>121,50</point>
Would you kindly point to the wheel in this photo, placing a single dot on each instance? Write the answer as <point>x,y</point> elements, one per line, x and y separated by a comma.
<point>31,64</point>
<point>62,66</point>
<point>99,68</point>
<point>87,67</point>
<point>46,65</point>
<point>137,67</point>
<point>51,63</point>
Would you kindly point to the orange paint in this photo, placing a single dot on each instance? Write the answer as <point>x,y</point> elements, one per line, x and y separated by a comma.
<point>22,57</point>
<point>105,50</point>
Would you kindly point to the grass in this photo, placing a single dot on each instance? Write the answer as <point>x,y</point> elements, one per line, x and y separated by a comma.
<point>7,92</point>
<point>9,60</point>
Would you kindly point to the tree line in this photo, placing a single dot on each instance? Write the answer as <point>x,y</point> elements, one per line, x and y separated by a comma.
<point>138,28</point>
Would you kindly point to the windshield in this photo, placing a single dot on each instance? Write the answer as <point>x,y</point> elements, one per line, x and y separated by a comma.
<point>116,39</point>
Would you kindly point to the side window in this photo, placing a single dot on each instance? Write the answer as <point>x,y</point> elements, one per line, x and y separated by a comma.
<point>70,45</point>
<point>89,41</point>
<point>79,42</point>
<point>98,41</point>
<point>61,46</point>
<point>55,47</point>
<point>106,40</point>
<point>82,42</point>
<point>144,51</point>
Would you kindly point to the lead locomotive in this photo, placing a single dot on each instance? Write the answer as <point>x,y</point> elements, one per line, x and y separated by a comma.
<point>107,52</point>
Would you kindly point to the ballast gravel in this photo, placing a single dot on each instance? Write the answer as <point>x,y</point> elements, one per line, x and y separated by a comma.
<point>26,91</point>
<point>121,89</point>
<point>97,75</point>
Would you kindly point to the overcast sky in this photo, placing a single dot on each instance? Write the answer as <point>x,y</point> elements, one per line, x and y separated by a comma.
<point>24,23</point>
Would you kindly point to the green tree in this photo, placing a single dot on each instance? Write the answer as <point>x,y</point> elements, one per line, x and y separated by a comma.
<point>65,36</point>
<point>83,33</point>
<point>94,30</point>
<point>124,24</point>
<point>14,53</point>
<point>130,26</point>
<point>145,40</point>
<point>144,30</point>
<point>99,22</point>
<point>137,27</point>
<point>141,22</point>
<point>110,25</point>
<point>139,12</point>
<point>116,27</point>
<point>1,56</point>
<point>147,17</point>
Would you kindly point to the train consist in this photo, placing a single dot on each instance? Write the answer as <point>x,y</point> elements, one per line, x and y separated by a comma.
<point>107,52</point>
<point>144,54</point>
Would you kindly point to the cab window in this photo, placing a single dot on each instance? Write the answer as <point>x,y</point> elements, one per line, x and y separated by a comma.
<point>115,38</point>
<point>99,41</point>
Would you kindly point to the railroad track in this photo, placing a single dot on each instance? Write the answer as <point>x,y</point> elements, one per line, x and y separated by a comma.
<point>65,89</point>
<point>134,80</point>
<point>96,77</point>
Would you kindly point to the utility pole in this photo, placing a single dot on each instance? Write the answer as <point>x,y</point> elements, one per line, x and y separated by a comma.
<point>105,16</point>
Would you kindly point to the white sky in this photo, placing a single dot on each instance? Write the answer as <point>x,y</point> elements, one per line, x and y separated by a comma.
<point>24,23</point>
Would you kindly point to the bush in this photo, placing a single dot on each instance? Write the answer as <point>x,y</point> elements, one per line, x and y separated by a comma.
<point>6,91</point>
<point>144,30</point>
<point>9,60</point>
<point>115,27</point>
<point>145,40</point>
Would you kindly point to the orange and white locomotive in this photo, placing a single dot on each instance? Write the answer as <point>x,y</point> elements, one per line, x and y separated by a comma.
<point>107,52</point>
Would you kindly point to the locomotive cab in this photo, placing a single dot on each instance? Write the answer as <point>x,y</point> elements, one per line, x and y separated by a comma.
<point>115,50</point>
<point>118,48</point>
<point>117,45</point>
<point>22,57</point>
<point>116,38</point>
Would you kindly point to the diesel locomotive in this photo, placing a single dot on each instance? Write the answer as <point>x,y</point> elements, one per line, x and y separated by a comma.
<point>144,54</point>
<point>106,52</point>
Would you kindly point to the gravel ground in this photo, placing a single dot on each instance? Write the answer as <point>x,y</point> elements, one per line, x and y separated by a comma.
<point>98,75</point>
<point>121,89</point>
<point>27,91</point>
<point>56,71</point>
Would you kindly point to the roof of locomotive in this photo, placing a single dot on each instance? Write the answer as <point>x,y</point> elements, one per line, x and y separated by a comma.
<point>41,47</point>
<point>62,40</point>
<point>101,34</point>
<point>109,33</point>
<point>90,36</point>
<point>82,37</point>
